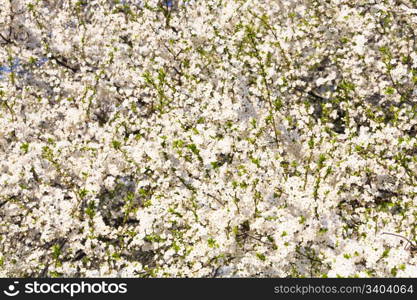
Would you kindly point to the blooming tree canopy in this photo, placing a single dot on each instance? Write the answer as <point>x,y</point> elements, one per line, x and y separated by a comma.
<point>208,138</point>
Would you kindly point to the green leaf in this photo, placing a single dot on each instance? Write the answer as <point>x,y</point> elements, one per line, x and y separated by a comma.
<point>24,147</point>
<point>261,256</point>
<point>116,144</point>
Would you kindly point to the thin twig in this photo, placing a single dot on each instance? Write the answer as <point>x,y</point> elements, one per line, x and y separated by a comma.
<point>413,246</point>
<point>217,199</point>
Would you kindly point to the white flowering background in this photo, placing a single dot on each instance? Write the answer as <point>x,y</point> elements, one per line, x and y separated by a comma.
<point>234,138</point>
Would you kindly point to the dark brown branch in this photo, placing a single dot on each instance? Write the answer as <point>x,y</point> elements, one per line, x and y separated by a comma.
<point>63,63</point>
<point>7,40</point>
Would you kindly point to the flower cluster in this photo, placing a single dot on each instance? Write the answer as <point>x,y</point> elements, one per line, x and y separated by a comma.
<point>239,138</point>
